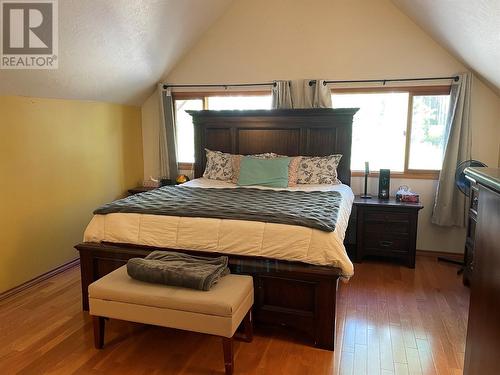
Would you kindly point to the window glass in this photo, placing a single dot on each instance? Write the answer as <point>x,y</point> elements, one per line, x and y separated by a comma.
<point>428,127</point>
<point>184,128</point>
<point>239,102</point>
<point>379,128</point>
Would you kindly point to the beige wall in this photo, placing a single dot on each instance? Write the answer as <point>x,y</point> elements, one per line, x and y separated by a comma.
<point>263,40</point>
<point>59,160</point>
<point>150,136</point>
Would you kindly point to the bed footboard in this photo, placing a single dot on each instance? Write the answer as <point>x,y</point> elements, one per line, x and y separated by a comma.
<point>293,294</point>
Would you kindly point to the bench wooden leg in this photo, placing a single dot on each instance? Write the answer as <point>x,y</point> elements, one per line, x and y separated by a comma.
<point>227,346</point>
<point>98,331</point>
<point>248,326</point>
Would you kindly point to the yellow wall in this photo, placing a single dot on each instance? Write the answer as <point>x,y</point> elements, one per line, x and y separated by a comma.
<point>264,40</point>
<point>59,160</point>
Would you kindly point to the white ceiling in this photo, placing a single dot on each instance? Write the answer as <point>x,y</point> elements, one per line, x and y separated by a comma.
<point>469,29</point>
<point>115,51</point>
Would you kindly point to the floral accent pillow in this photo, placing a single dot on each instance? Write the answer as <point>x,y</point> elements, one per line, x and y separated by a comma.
<point>319,170</point>
<point>219,166</point>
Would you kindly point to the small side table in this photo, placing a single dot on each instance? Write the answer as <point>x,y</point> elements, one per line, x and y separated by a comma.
<point>386,228</point>
<point>140,189</point>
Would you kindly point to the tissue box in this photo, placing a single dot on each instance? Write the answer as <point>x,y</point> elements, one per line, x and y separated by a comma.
<point>411,198</point>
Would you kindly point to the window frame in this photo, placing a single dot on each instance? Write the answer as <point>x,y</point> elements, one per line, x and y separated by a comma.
<point>412,91</point>
<point>186,95</point>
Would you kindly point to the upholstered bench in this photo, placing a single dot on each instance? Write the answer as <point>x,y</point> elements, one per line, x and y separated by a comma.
<point>218,311</point>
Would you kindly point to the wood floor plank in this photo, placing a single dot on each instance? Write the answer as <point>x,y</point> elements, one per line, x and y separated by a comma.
<point>401,369</point>
<point>360,360</point>
<point>413,360</point>
<point>373,354</point>
<point>390,320</point>
<point>425,357</point>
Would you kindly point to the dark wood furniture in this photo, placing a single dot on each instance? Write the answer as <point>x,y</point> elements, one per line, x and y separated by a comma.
<point>386,228</point>
<point>297,295</point>
<point>470,238</point>
<point>309,132</point>
<point>140,189</point>
<point>483,332</point>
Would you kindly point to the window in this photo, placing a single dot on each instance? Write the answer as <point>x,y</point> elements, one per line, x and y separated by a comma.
<point>389,135</point>
<point>183,121</point>
<point>402,129</point>
<point>239,102</point>
<point>428,131</point>
<point>380,121</point>
<point>184,128</point>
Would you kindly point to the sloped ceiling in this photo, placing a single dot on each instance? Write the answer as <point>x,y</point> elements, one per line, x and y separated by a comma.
<point>470,29</point>
<point>115,51</point>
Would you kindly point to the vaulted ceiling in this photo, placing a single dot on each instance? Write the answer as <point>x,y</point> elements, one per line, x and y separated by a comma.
<point>469,29</point>
<point>116,51</point>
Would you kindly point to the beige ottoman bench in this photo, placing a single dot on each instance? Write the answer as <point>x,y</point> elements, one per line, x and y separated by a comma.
<point>216,312</point>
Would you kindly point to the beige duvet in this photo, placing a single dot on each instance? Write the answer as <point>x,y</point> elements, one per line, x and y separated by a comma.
<point>278,241</point>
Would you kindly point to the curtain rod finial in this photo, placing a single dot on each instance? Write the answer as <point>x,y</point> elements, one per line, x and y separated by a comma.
<point>456,78</point>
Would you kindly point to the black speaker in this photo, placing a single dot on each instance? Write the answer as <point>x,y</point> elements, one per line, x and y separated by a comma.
<point>384,183</point>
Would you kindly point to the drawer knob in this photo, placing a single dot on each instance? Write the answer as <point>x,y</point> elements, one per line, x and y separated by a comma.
<point>385,243</point>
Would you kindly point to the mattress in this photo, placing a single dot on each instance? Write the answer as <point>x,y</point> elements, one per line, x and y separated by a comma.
<point>240,237</point>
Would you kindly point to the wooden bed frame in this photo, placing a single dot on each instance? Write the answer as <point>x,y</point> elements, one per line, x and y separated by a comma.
<point>294,294</point>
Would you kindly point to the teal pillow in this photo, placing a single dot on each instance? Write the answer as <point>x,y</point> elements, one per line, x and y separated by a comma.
<point>265,172</point>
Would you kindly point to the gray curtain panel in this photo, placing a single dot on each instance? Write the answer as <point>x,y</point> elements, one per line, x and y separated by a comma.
<point>281,95</point>
<point>450,204</point>
<point>301,94</point>
<point>167,137</point>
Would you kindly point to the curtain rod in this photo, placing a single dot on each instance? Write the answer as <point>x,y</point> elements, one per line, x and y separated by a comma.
<point>166,86</point>
<point>384,81</point>
<point>312,82</point>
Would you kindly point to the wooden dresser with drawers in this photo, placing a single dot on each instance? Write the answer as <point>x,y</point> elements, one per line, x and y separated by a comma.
<point>482,346</point>
<point>386,228</point>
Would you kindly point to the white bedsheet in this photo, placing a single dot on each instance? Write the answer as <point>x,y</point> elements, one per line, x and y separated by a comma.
<point>252,238</point>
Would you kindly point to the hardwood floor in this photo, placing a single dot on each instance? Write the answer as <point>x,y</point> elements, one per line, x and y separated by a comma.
<point>390,320</point>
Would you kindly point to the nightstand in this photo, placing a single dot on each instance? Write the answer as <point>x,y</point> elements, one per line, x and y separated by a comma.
<point>386,228</point>
<point>140,189</point>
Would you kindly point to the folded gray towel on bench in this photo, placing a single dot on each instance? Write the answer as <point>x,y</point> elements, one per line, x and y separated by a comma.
<point>178,269</point>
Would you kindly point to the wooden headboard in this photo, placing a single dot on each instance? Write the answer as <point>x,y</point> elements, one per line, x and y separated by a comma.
<point>292,132</point>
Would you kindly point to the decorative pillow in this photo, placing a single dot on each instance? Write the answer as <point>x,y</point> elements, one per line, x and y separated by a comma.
<point>271,172</point>
<point>293,170</point>
<point>293,167</point>
<point>218,166</point>
<point>236,161</point>
<point>319,170</point>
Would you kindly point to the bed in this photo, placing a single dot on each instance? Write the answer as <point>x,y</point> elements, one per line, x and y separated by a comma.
<point>296,270</point>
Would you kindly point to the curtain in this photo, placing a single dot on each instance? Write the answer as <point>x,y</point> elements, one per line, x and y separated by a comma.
<point>302,93</point>
<point>450,204</point>
<point>168,147</point>
<point>281,95</point>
